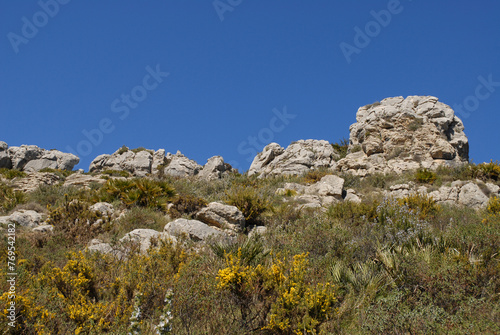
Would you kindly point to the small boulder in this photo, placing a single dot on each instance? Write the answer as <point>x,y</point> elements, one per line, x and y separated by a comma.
<point>215,169</point>
<point>329,185</point>
<point>222,216</point>
<point>23,218</point>
<point>194,229</point>
<point>471,195</point>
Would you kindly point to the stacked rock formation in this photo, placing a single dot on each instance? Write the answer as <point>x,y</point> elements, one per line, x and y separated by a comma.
<point>400,134</point>
<point>297,158</point>
<point>31,158</point>
<point>142,162</point>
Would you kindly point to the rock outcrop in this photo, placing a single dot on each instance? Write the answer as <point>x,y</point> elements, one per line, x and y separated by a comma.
<point>138,163</point>
<point>215,168</point>
<point>400,134</point>
<point>193,229</point>
<point>298,158</point>
<point>32,181</point>
<point>31,158</point>
<point>222,216</point>
<point>23,218</point>
<point>179,165</point>
<point>143,162</point>
<point>474,194</point>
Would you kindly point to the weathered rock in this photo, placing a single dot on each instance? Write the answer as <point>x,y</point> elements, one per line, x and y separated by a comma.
<point>222,216</point>
<point>471,195</point>
<point>179,165</point>
<point>215,169</point>
<point>352,196</point>
<point>144,238</point>
<point>23,218</point>
<point>99,246</point>
<point>5,161</point>
<point>299,157</point>
<point>33,180</point>
<point>329,185</point>
<point>399,134</point>
<point>103,208</point>
<point>194,229</point>
<point>83,180</point>
<point>137,163</point>
<point>31,158</point>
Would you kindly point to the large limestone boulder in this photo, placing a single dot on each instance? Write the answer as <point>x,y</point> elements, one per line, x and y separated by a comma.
<point>23,218</point>
<point>179,165</point>
<point>400,134</point>
<point>144,237</point>
<point>138,163</point>
<point>215,168</point>
<point>31,158</point>
<point>194,229</point>
<point>298,158</point>
<point>329,185</point>
<point>222,216</point>
<point>471,195</point>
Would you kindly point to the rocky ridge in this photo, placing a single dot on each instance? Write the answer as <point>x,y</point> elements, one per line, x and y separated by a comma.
<point>31,158</point>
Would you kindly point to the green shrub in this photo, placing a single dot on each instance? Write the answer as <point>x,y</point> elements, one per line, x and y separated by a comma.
<point>422,204</point>
<point>141,192</point>
<point>10,198</point>
<point>186,205</point>
<point>341,147</point>
<point>123,150</point>
<point>494,205</point>
<point>12,173</point>
<point>63,174</point>
<point>355,148</point>
<point>136,150</point>
<point>249,201</point>
<point>489,170</point>
<point>77,221</point>
<point>425,176</point>
<point>313,176</point>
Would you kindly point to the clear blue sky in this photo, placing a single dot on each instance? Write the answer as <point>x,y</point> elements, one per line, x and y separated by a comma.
<point>229,68</point>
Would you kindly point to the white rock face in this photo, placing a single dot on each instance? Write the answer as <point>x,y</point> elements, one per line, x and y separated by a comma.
<point>139,164</point>
<point>400,134</point>
<point>143,237</point>
<point>215,169</point>
<point>329,185</point>
<point>472,196</point>
<point>179,165</point>
<point>222,216</point>
<point>464,193</point>
<point>31,158</point>
<point>194,229</point>
<point>104,208</point>
<point>298,158</point>
<point>23,218</point>
<point>33,180</point>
